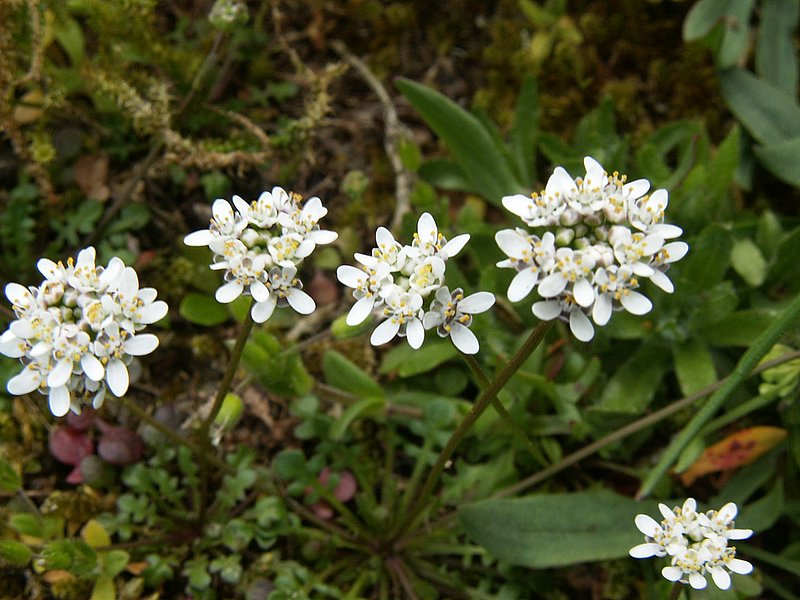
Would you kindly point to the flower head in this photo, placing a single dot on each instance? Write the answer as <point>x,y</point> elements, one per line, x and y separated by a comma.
<point>696,544</point>
<point>601,237</point>
<point>79,331</point>
<point>259,246</point>
<point>393,282</point>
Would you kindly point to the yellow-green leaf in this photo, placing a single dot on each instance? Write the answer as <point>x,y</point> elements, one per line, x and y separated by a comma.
<point>95,534</point>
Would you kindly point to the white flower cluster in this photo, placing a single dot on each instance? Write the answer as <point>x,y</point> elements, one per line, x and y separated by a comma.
<point>260,244</point>
<point>77,333</point>
<point>597,236</point>
<point>696,543</point>
<point>394,280</point>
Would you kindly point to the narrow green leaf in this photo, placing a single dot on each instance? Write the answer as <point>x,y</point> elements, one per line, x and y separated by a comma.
<point>708,259</point>
<point>634,384</point>
<point>764,512</point>
<point>736,34</point>
<point>703,17</point>
<point>786,267</point>
<point>694,366</point>
<point>748,262</point>
<point>203,310</point>
<point>447,174</point>
<point>782,160</point>
<point>104,588</point>
<point>776,58</point>
<point>524,130</point>
<point>345,375</point>
<point>471,144</point>
<point>28,524</point>
<point>740,328</point>
<point>70,36</point>
<point>555,530</point>
<point>406,361</point>
<point>765,110</point>
<point>365,407</point>
<point>15,553</point>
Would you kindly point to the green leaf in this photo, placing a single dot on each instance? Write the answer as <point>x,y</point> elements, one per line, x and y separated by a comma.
<point>370,405</point>
<point>736,33</point>
<point>471,144</point>
<point>132,217</point>
<point>703,17</point>
<point>694,366</point>
<point>15,553</point>
<point>406,361</point>
<point>782,160</point>
<point>769,233</point>
<point>555,530</point>
<point>737,329</point>
<point>28,524</point>
<point>115,562</point>
<point>708,258</point>
<point>446,174</point>
<point>10,481</point>
<point>766,111</point>
<point>680,142</point>
<point>786,268</point>
<point>764,512</point>
<point>290,464</point>
<point>748,262</point>
<point>634,384</point>
<point>203,310</point>
<point>524,130</point>
<point>776,59</point>
<point>70,36</point>
<point>104,589</point>
<point>345,375</point>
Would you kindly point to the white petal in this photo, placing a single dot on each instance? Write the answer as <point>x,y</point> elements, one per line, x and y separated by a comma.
<point>476,303</point>
<point>666,511</point>
<point>262,311</point>
<point>581,326</point>
<point>583,292</point>
<point>426,226</point>
<point>636,304</point>
<point>517,204</point>
<point>547,310</point>
<point>300,301</point>
<point>676,251</point>
<point>552,285</point>
<point>360,310</point>
<point>662,281</point>
<point>18,294</point>
<point>23,383</point>
<point>241,204</point>
<point>151,313</point>
<point>721,578</point>
<point>601,311</point>
<point>128,282</point>
<point>384,332</point>
<point>140,344</point>
<point>59,401</point>
<point>11,345</point>
<point>728,512</point>
<point>92,367</point>
<point>511,243</point>
<point>60,373</point>
<point>259,291</point>
<point>221,209</point>
<point>738,534</point>
<point>647,525</point>
<point>229,292</point>
<point>350,276</point>
<point>522,284</point>
<point>432,319</point>
<point>737,565</point>
<point>322,236</point>
<point>671,573</point>
<point>645,550</point>
<point>560,183</point>
<point>46,267</point>
<point>415,333</point>
<point>117,377</point>
<point>636,189</point>
<point>454,246</point>
<point>697,581</point>
<point>464,339</point>
<point>202,237</point>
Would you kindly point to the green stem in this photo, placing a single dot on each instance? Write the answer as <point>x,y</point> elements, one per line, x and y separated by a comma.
<point>480,406</point>
<point>675,591</point>
<point>516,429</point>
<point>757,350</point>
<point>224,385</point>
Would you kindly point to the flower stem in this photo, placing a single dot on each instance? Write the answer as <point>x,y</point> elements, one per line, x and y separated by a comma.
<point>676,590</point>
<point>518,431</point>
<point>480,406</point>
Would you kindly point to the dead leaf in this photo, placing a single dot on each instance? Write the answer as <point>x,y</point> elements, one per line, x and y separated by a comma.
<point>91,174</point>
<point>734,451</point>
<point>29,107</point>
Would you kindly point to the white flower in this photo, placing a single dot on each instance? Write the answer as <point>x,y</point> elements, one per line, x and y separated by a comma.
<point>259,243</point>
<point>598,221</point>
<point>428,241</point>
<point>369,285</point>
<point>451,314</point>
<point>402,314</point>
<point>75,333</point>
<point>697,544</point>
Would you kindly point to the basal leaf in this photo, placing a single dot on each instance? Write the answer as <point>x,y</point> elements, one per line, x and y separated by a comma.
<point>776,57</point>
<point>406,361</point>
<point>748,262</point>
<point>15,553</point>
<point>524,130</point>
<point>782,160</point>
<point>345,375</point>
<point>694,366</point>
<point>472,145</point>
<point>634,384</point>
<point>739,328</point>
<point>555,530</point>
<point>203,310</point>
<point>365,407</point>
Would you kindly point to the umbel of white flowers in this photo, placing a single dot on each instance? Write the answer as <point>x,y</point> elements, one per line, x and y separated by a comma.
<point>594,239</point>
<point>259,246</point>
<point>696,543</point>
<point>77,333</point>
<point>394,281</point>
